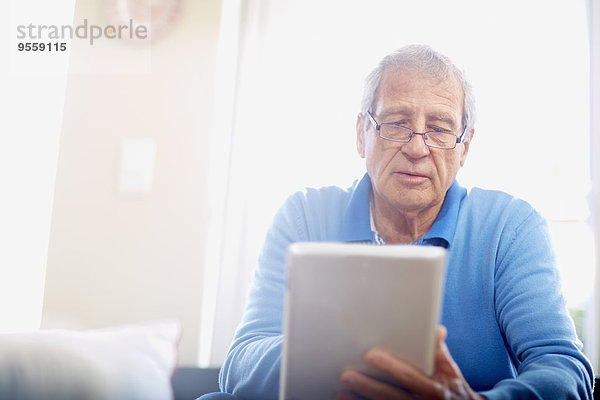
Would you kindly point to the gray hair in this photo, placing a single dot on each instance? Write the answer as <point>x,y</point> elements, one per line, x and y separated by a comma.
<point>422,58</point>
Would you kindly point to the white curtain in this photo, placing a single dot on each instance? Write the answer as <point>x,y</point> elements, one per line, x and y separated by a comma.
<point>299,70</point>
<point>31,100</point>
<point>593,326</point>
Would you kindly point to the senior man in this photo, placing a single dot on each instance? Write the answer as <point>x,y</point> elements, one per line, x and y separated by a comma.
<point>507,332</point>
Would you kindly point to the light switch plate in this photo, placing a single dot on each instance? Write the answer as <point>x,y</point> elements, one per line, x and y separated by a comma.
<point>136,172</point>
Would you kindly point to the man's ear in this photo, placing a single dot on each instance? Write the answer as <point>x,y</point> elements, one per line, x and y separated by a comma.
<point>466,144</point>
<point>360,135</point>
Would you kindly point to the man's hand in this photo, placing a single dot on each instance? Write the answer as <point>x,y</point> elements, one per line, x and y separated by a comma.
<point>447,382</point>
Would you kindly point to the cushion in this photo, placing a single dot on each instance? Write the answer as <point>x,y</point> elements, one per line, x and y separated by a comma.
<point>126,362</point>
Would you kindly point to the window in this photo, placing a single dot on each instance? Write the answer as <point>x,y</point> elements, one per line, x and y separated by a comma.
<point>301,70</point>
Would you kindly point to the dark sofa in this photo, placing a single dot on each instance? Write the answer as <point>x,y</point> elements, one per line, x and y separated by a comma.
<point>189,383</point>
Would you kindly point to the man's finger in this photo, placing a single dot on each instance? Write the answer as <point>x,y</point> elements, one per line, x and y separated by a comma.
<point>406,375</point>
<point>444,363</point>
<point>372,388</point>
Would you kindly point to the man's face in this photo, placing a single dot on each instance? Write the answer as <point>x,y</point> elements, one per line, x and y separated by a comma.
<point>413,176</point>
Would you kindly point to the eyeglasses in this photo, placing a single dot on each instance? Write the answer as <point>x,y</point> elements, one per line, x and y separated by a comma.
<point>395,132</point>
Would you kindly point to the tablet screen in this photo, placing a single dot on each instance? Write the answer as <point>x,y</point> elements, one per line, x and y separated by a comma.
<point>344,299</point>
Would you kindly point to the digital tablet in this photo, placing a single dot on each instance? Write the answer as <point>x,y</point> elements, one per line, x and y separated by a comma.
<point>344,299</point>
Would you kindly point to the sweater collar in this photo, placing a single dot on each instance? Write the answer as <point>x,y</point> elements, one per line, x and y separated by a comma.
<point>357,225</point>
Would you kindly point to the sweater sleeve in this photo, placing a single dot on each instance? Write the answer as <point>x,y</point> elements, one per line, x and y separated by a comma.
<point>251,367</point>
<point>532,315</point>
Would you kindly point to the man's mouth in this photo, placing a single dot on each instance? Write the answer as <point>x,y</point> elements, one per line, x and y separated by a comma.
<point>411,174</point>
<point>411,178</point>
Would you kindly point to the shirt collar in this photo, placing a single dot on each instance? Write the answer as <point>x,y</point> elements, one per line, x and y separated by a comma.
<point>357,223</point>
<point>357,226</point>
<point>444,225</point>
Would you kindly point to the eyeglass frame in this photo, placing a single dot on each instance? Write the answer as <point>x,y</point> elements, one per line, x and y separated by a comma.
<point>413,133</point>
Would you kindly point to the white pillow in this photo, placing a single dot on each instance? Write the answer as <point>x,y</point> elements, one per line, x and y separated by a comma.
<point>123,363</point>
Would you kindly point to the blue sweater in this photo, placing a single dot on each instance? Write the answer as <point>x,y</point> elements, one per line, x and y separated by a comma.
<point>508,327</point>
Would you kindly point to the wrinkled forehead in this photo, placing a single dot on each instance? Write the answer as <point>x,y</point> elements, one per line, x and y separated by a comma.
<point>406,79</point>
<point>419,87</point>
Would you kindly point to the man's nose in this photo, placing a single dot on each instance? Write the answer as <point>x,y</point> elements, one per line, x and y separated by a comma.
<point>416,147</point>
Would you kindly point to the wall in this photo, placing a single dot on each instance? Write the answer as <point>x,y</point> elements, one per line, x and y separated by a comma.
<point>114,257</point>
<point>594,29</point>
